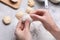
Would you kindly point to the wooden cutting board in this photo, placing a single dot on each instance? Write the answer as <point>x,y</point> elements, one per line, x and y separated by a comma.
<point>13,5</point>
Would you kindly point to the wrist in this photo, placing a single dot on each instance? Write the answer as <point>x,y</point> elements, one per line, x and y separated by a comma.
<point>53,29</point>
<point>51,26</point>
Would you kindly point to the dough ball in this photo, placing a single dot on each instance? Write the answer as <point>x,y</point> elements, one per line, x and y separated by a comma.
<point>31,3</point>
<point>55,1</point>
<point>26,17</point>
<point>14,1</point>
<point>29,9</point>
<point>6,20</point>
<point>19,15</point>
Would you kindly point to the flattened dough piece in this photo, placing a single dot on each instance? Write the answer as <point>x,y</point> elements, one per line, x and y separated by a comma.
<point>6,20</point>
<point>31,3</point>
<point>29,9</point>
<point>19,15</point>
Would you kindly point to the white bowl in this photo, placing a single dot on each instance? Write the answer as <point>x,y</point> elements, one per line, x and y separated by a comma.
<point>55,1</point>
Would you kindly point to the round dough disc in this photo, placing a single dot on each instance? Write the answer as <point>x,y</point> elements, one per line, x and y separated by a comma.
<point>19,15</point>
<point>31,3</point>
<point>6,20</point>
<point>29,9</point>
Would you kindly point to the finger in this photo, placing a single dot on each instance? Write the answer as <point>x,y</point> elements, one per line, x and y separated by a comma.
<point>27,24</point>
<point>36,17</point>
<point>19,25</point>
<point>39,12</point>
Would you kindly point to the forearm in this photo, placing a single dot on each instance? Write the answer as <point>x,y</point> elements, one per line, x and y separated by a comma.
<point>53,29</point>
<point>47,21</point>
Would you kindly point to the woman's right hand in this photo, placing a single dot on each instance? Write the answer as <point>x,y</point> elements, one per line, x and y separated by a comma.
<point>46,19</point>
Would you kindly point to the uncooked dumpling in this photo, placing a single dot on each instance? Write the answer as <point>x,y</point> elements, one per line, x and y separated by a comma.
<point>31,3</point>
<point>23,16</point>
<point>19,15</point>
<point>26,17</point>
<point>6,20</point>
<point>29,9</point>
<point>55,1</point>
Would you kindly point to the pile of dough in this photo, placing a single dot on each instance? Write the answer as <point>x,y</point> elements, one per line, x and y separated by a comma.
<point>55,1</point>
<point>6,20</point>
<point>31,3</point>
<point>19,15</point>
<point>14,1</point>
<point>29,9</point>
<point>26,17</point>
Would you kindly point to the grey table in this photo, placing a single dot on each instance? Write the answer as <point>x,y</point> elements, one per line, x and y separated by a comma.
<point>38,31</point>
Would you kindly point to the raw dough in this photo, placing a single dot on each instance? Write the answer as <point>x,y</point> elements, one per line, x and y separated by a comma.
<point>29,9</point>
<point>55,1</point>
<point>31,3</point>
<point>14,1</point>
<point>6,20</point>
<point>26,17</point>
<point>23,16</point>
<point>19,15</point>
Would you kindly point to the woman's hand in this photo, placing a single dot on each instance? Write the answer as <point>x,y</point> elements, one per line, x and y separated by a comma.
<point>47,21</point>
<point>23,31</point>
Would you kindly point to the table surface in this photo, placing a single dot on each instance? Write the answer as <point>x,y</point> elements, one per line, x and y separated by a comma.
<point>37,30</point>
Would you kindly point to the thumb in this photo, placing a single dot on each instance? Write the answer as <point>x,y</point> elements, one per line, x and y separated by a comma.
<point>36,17</point>
<point>27,24</point>
<point>19,26</point>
